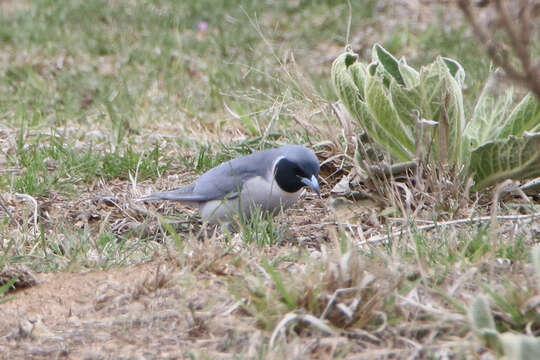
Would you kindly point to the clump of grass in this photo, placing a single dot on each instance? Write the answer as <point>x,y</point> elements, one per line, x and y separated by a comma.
<point>261,228</point>
<point>343,288</point>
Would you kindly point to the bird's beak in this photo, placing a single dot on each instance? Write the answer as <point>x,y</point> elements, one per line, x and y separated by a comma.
<point>312,183</point>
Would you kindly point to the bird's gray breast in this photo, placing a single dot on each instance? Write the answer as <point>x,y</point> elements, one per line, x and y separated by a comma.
<point>256,192</point>
<point>267,194</point>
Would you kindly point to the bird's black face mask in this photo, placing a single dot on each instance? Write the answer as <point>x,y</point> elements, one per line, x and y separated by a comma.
<point>291,176</point>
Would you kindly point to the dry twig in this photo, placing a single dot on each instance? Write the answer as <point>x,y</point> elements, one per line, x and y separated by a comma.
<point>377,239</point>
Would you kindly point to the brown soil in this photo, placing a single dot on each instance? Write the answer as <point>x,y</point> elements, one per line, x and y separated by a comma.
<point>137,312</point>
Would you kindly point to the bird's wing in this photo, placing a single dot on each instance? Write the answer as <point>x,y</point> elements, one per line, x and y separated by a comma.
<point>227,179</point>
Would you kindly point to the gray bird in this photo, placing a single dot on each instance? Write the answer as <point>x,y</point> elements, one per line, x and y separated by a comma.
<point>270,179</point>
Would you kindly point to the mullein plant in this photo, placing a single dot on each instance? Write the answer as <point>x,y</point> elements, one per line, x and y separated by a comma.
<point>419,115</point>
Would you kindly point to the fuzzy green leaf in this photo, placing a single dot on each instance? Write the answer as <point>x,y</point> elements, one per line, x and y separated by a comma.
<point>443,102</point>
<point>406,101</point>
<point>372,68</point>
<point>513,158</point>
<point>350,58</point>
<point>378,133</point>
<point>359,73</point>
<point>411,77</point>
<point>480,315</point>
<point>524,117</point>
<point>520,347</point>
<point>490,111</point>
<point>482,322</point>
<point>389,63</point>
<point>456,70</point>
<point>384,112</point>
<point>346,80</point>
<point>432,90</point>
<point>344,84</point>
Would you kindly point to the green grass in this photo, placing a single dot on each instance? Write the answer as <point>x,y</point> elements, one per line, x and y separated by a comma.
<point>261,229</point>
<point>71,250</point>
<point>53,165</point>
<point>113,53</point>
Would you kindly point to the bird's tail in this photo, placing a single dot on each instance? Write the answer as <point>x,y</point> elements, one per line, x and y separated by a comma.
<point>184,193</point>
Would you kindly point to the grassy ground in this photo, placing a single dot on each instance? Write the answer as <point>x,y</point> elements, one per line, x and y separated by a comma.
<point>104,101</point>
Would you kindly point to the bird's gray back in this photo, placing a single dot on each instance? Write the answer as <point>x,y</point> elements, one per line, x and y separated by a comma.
<point>227,178</point>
